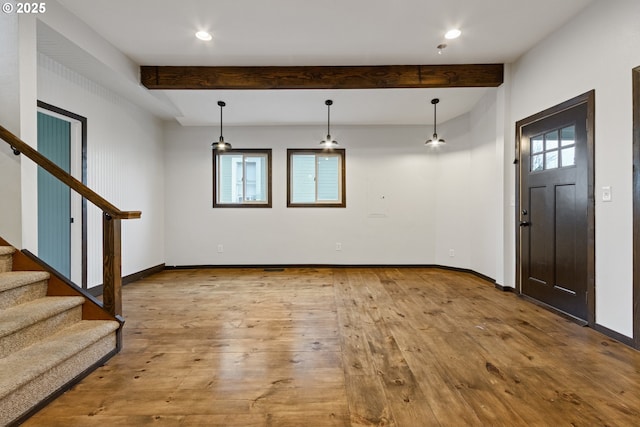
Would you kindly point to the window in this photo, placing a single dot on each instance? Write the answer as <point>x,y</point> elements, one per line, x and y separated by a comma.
<point>316,178</point>
<point>242,178</point>
<point>555,149</point>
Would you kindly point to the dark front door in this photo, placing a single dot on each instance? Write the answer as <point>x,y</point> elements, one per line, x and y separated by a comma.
<point>554,199</point>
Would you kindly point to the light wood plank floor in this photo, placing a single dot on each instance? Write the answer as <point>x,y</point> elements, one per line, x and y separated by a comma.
<point>348,347</point>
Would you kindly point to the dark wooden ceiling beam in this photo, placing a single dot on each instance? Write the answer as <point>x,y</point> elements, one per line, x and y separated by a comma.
<point>323,77</point>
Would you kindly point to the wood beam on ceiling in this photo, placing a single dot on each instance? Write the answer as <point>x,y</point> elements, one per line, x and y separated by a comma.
<point>322,77</point>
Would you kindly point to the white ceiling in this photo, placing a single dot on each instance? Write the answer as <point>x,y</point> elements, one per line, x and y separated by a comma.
<point>305,32</point>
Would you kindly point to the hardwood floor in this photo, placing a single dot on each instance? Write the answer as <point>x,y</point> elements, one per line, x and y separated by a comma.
<point>348,347</point>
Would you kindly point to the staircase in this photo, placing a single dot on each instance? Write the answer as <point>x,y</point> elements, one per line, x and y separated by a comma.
<point>45,345</point>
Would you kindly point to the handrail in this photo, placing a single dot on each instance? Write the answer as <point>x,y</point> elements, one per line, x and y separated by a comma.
<point>63,176</point>
<point>111,216</point>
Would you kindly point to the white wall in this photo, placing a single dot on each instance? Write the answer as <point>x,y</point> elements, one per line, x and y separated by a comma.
<point>125,164</point>
<point>10,224</point>
<point>505,154</point>
<point>596,50</point>
<point>389,162</point>
<point>468,191</point>
<point>18,115</point>
<point>28,130</point>
<point>486,200</point>
<point>453,193</point>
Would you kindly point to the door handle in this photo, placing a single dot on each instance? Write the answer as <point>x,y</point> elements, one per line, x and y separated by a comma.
<point>524,223</point>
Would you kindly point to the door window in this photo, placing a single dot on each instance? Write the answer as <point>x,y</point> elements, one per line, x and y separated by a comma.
<point>554,149</point>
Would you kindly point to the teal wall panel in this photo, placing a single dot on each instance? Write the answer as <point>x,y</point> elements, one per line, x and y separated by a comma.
<point>54,197</point>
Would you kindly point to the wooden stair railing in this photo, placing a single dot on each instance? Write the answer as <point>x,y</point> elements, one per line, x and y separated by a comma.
<point>111,218</point>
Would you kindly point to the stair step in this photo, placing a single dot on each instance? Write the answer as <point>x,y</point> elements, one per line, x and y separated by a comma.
<point>18,287</point>
<point>25,324</point>
<point>6,258</point>
<point>33,373</point>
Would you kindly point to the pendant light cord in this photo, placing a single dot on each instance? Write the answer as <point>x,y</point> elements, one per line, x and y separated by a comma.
<point>221,138</point>
<point>435,122</point>
<point>329,119</point>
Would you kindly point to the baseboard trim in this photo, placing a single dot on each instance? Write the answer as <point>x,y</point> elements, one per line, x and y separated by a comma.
<point>469,271</point>
<point>614,335</point>
<point>142,274</point>
<point>276,267</point>
<point>281,266</point>
<point>504,288</point>
<point>96,291</point>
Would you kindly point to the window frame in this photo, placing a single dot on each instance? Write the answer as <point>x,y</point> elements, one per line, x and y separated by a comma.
<point>249,152</point>
<point>342,186</point>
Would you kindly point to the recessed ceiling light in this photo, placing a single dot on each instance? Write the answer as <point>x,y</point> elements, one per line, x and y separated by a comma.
<point>452,34</point>
<point>204,36</point>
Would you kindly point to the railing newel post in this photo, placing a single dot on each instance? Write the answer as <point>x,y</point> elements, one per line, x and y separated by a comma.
<point>111,264</point>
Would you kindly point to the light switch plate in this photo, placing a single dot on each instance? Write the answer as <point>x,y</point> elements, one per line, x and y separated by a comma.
<point>606,194</point>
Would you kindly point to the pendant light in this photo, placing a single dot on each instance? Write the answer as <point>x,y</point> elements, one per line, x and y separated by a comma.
<point>328,143</point>
<point>434,141</point>
<point>220,145</point>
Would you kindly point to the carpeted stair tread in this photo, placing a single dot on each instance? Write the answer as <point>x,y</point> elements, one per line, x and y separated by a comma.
<point>6,258</point>
<point>15,279</point>
<point>7,250</point>
<point>19,287</point>
<point>25,365</point>
<point>21,316</point>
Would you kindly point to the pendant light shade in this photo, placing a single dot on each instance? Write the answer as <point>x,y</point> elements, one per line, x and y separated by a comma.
<point>220,145</point>
<point>435,140</point>
<point>328,142</point>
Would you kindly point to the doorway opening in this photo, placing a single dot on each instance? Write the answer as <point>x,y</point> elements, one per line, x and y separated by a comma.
<point>62,216</point>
